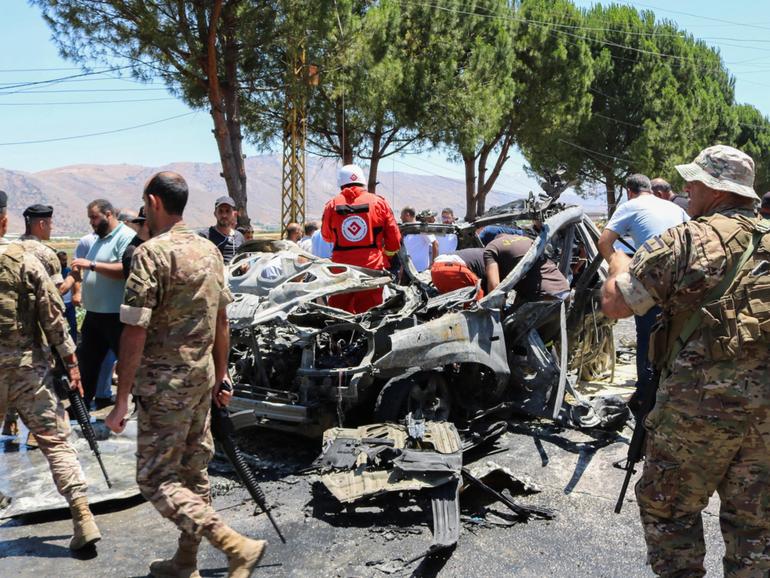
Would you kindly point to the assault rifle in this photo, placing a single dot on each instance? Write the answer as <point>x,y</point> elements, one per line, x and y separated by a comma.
<point>636,447</point>
<point>224,432</point>
<point>61,384</point>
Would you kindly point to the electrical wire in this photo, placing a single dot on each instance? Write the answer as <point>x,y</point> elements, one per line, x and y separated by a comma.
<point>72,102</point>
<point>84,90</point>
<point>117,130</point>
<point>552,27</point>
<point>60,79</point>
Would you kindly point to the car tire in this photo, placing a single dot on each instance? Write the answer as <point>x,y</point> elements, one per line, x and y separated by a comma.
<point>391,401</point>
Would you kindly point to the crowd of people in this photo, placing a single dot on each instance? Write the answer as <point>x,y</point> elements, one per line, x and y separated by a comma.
<point>155,295</point>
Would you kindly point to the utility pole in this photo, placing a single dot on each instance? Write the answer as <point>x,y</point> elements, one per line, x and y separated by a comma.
<point>300,76</point>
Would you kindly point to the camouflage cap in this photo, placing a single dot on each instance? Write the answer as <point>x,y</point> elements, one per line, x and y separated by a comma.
<point>3,200</point>
<point>723,168</point>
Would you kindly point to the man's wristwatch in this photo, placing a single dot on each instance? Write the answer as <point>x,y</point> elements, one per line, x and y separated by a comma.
<point>71,365</point>
<point>92,266</point>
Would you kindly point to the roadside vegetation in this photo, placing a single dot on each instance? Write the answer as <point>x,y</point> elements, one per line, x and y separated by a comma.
<point>588,96</point>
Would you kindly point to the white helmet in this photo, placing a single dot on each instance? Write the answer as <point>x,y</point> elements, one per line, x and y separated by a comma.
<point>351,175</point>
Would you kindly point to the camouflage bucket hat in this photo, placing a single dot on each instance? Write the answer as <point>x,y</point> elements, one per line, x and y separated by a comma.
<point>722,168</point>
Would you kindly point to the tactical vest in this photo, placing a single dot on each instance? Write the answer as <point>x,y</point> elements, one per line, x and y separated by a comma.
<point>354,225</point>
<point>735,320</point>
<point>16,303</point>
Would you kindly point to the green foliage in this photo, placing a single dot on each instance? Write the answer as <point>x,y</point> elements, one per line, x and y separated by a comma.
<point>161,40</point>
<point>380,65</point>
<point>554,74</point>
<point>659,97</point>
<point>472,52</point>
<point>753,138</point>
<point>209,53</point>
<point>593,95</point>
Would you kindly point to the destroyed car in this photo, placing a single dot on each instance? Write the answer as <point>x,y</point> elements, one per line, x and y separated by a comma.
<point>299,365</point>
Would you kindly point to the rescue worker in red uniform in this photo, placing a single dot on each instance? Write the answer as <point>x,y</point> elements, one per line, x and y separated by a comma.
<point>364,232</point>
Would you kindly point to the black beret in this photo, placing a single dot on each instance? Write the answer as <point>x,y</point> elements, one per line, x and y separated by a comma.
<point>3,200</point>
<point>38,212</point>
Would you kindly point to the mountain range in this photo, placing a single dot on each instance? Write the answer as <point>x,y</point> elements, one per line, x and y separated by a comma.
<point>69,189</point>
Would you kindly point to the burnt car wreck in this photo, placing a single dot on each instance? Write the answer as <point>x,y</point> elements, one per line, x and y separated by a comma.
<point>299,365</point>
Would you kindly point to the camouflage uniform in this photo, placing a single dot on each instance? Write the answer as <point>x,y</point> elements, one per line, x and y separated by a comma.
<point>52,266</point>
<point>174,290</point>
<point>710,428</point>
<point>45,255</point>
<point>31,311</point>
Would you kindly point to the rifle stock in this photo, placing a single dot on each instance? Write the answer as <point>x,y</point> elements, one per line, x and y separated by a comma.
<point>62,387</point>
<point>224,432</point>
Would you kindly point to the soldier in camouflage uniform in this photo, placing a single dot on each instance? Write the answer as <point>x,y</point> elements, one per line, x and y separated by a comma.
<point>31,311</point>
<point>175,316</point>
<point>710,427</point>
<point>37,221</point>
<point>38,226</point>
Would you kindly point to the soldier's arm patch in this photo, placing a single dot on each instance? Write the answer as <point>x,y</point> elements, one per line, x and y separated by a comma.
<point>653,268</point>
<point>139,316</point>
<point>634,294</point>
<point>142,285</point>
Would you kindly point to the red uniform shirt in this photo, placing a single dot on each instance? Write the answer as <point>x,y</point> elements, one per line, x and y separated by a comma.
<point>361,226</point>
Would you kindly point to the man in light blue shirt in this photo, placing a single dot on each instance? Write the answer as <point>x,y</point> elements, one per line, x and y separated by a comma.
<point>103,283</point>
<point>644,216</point>
<point>319,247</point>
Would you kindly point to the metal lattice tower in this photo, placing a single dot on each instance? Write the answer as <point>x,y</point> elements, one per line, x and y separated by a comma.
<point>294,135</point>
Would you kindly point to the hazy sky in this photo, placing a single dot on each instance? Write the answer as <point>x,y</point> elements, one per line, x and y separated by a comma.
<point>87,105</point>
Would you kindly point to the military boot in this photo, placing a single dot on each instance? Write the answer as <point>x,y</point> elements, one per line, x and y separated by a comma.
<point>242,553</point>
<point>184,564</point>
<point>86,532</point>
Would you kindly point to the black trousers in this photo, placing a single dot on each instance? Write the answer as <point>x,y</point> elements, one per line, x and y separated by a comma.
<point>100,332</point>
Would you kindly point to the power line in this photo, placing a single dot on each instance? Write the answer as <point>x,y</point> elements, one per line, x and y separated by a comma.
<point>63,103</point>
<point>86,90</point>
<point>61,78</point>
<point>617,100</point>
<point>100,79</point>
<point>721,20</point>
<point>97,133</point>
<point>552,27</point>
<point>612,157</point>
<point>44,69</point>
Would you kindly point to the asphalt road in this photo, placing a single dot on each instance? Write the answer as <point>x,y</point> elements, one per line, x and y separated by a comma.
<point>572,468</point>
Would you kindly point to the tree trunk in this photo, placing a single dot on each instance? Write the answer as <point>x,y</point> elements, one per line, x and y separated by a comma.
<point>609,181</point>
<point>232,108</point>
<point>375,160</point>
<point>481,189</point>
<point>485,184</point>
<point>345,149</point>
<point>231,168</point>
<point>470,186</point>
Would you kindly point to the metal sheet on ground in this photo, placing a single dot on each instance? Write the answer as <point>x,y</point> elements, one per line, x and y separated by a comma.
<point>27,479</point>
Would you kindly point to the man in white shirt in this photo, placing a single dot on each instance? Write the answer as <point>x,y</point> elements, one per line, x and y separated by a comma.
<point>644,216</point>
<point>422,249</point>
<point>447,244</point>
<point>306,242</point>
